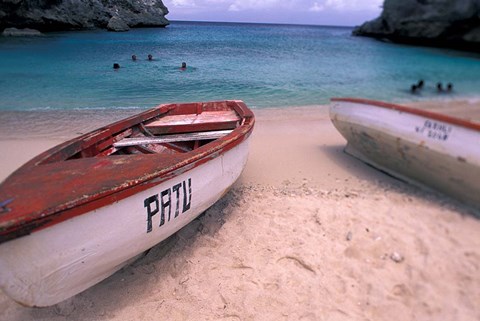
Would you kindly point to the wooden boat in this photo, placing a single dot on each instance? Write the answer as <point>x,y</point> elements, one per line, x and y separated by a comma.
<point>78,212</point>
<point>419,146</point>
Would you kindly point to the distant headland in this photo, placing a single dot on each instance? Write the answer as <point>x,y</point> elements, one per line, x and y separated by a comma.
<point>59,15</point>
<point>439,23</point>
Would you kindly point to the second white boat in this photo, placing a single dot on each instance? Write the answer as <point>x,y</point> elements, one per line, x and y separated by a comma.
<point>418,146</point>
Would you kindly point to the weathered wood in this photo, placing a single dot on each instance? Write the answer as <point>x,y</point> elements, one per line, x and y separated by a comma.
<point>207,120</point>
<point>109,198</point>
<point>107,143</point>
<point>171,138</point>
<point>418,146</point>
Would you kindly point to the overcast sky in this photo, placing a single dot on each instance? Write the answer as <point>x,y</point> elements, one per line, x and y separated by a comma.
<point>320,12</point>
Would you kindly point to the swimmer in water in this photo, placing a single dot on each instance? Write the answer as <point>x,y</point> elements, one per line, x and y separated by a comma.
<point>184,66</point>
<point>116,66</point>
<point>150,57</point>
<point>420,84</point>
<point>134,57</point>
<point>439,87</point>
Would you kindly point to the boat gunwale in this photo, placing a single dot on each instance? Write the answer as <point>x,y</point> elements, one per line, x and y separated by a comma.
<point>415,111</point>
<point>21,225</point>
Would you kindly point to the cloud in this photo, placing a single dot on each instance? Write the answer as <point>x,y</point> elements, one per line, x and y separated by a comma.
<point>184,3</point>
<point>336,12</point>
<point>240,5</point>
<point>353,5</point>
<point>277,5</point>
<point>316,7</point>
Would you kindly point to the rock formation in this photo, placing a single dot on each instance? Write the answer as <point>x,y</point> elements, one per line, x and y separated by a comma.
<point>54,15</point>
<point>14,32</point>
<point>444,23</point>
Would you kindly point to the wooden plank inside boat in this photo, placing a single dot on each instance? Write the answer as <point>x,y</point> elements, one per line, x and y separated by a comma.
<point>171,138</point>
<point>208,120</point>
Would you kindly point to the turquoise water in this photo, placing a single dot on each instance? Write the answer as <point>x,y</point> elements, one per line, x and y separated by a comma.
<point>264,65</point>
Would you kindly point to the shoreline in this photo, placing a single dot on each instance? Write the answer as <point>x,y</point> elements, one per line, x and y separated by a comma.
<point>25,134</point>
<point>307,232</point>
<point>39,121</point>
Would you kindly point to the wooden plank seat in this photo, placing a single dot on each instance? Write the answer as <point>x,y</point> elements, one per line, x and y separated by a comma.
<point>134,141</point>
<point>207,120</point>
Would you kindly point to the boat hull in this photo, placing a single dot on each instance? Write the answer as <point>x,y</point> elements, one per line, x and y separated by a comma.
<point>429,151</point>
<point>53,264</point>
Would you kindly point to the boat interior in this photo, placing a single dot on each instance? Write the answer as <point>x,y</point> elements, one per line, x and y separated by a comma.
<point>169,129</point>
<point>175,133</point>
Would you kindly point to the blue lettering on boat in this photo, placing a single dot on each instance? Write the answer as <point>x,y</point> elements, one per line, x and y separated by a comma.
<point>167,201</point>
<point>435,130</point>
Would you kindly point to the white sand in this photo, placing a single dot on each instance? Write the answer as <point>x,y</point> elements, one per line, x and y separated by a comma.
<point>307,233</point>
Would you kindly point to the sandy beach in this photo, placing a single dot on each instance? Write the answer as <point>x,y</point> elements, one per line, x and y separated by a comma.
<point>306,233</point>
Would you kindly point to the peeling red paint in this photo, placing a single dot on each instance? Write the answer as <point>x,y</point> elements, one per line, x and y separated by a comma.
<point>77,176</point>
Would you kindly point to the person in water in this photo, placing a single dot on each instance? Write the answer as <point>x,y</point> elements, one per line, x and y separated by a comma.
<point>150,57</point>
<point>116,66</point>
<point>449,87</point>
<point>184,66</point>
<point>134,57</point>
<point>417,87</point>
<point>439,87</point>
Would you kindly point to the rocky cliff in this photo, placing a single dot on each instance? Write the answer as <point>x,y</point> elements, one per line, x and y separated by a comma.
<point>53,15</point>
<point>445,23</point>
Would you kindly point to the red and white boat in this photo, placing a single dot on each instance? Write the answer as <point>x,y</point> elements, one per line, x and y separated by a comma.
<point>78,212</point>
<point>419,146</point>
